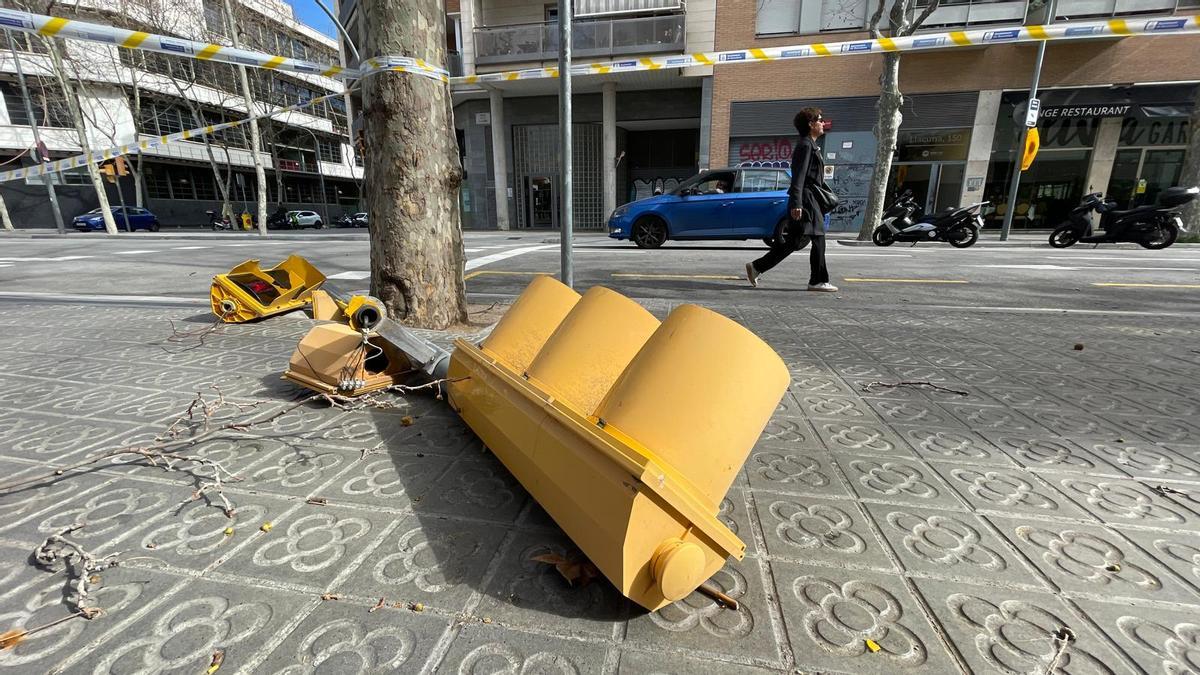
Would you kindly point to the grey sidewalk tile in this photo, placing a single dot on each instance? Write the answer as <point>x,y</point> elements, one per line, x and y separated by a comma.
<point>235,452</point>
<point>1023,397</point>
<point>434,560</point>
<point>182,634</point>
<point>1146,461</point>
<point>873,438</point>
<point>310,547</point>
<point>482,648</point>
<point>67,441</point>
<point>1178,551</point>
<point>1091,560</point>
<point>175,378</point>
<point>528,593</point>
<point>795,471</point>
<point>819,530</point>
<point>1158,640</point>
<point>441,434</point>
<point>1045,453</point>
<point>958,546</point>
<point>17,425</point>
<point>992,418</point>
<point>925,414</point>
<point>1156,429</point>
<point>297,471</point>
<point>19,503</point>
<point>863,389</point>
<point>1072,423</point>
<point>952,445</point>
<point>1162,403</point>
<point>194,536</point>
<point>119,591</point>
<point>1009,491</point>
<point>1014,631</point>
<point>663,662</point>
<point>386,480</point>
<point>1128,502</point>
<point>820,384</point>
<point>344,638</point>
<point>896,481</point>
<point>865,369</point>
<point>699,625</point>
<point>830,614</point>
<point>112,511</point>
<point>733,513</point>
<point>475,488</point>
<point>789,431</point>
<point>840,407</point>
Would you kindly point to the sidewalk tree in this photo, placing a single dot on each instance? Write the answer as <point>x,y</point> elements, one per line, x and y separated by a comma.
<point>412,170</point>
<point>901,23</point>
<point>260,174</point>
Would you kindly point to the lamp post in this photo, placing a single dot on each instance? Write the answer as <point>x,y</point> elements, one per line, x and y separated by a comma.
<point>37,137</point>
<point>320,175</point>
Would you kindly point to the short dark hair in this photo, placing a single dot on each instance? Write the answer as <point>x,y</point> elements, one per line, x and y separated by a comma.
<point>805,117</point>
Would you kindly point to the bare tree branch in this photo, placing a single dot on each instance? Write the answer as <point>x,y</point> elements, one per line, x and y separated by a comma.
<point>876,18</point>
<point>920,21</point>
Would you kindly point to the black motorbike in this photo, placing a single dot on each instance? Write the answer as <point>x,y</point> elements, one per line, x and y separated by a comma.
<point>218,222</point>
<point>1153,226</point>
<point>903,221</point>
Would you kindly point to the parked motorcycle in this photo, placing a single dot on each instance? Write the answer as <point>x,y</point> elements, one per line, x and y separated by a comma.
<point>1154,226</point>
<point>903,221</point>
<point>218,222</point>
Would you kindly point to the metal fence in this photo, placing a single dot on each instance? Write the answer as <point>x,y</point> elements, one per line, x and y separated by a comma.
<point>593,38</point>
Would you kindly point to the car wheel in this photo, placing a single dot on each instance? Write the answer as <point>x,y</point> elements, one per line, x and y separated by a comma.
<point>319,225</point>
<point>649,232</point>
<point>1161,236</point>
<point>154,227</point>
<point>780,235</point>
<point>1063,236</point>
<point>882,236</point>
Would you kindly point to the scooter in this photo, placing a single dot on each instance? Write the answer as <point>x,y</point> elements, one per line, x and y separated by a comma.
<point>1154,226</point>
<point>218,223</point>
<point>903,221</point>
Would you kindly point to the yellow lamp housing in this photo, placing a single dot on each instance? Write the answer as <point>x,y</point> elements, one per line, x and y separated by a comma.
<point>248,292</point>
<point>333,358</point>
<point>627,432</point>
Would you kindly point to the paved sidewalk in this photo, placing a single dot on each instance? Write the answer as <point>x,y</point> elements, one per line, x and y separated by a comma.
<point>898,530</point>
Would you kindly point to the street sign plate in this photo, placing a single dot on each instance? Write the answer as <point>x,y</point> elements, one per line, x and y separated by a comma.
<point>1031,112</point>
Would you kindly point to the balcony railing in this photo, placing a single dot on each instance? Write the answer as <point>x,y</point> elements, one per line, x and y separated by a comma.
<point>454,63</point>
<point>589,39</point>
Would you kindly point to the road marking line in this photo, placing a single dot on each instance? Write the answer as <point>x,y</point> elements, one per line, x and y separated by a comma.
<point>472,250</point>
<point>504,255</point>
<point>905,281</point>
<point>133,252</point>
<point>79,297</point>
<point>1130,285</point>
<point>1030,267</point>
<point>1128,258</point>
<point>352,274</point>
<point>723,277</point>
<point>871,255</point>
<point>477,273</point>
<point>188,248</point>
<point>63,258</point>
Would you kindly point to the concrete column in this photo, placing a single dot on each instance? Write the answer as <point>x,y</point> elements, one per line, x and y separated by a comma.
<point>609,155</point>
<point>1104,153</point>
<point>500,158</point>
<point>469,16</point>
<point>705,123</point>
<point>979,155</point>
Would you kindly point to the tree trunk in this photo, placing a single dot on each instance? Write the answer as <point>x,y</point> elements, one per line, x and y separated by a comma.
<point>887,126</point>
<point>412,171</point>
<point>260,175</point>
<point>5,221</point>
<point>68,90</point>
<point>1191,170</point>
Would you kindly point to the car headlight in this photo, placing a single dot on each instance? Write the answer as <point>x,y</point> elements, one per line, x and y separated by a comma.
<point>620,211</point>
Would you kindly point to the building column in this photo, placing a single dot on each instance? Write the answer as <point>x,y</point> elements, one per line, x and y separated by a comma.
<point>499,158</point>
<point>1104,153</point>
<point>705,123</point>
<point>469,16</point>
<point>979,155</point>
<point>609,154</point>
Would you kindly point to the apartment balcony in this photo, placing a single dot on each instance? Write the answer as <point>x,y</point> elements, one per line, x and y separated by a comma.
<point>454,64</point>
<point>591,38</point>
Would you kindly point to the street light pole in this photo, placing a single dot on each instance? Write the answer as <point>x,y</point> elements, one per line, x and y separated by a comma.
<point>37,137</point>
<point>1015,182</point>
<point>320,175</point>
<point>567,221</point>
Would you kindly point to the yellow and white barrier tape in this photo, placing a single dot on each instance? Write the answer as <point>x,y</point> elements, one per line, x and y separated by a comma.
<point>40,24</point>
<point>97,156</point>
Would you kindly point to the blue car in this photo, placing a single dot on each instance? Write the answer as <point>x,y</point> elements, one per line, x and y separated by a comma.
<point>128,218</point>
<point>734,203</point>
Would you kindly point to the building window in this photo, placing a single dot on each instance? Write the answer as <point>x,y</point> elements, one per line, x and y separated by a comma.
<point>49,109</point>
<point>182,185</point>
<point>331,151</point>
<point>157,185</point>
<point>29,43</point>
<point>206,188</point>
<point>778,17</point>
<point>214,17</point>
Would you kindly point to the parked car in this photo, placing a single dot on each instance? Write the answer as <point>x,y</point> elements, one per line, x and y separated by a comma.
<point>129,218</point>
<point>352,220</point>
<point>303,219</point>
<point>734,203</point>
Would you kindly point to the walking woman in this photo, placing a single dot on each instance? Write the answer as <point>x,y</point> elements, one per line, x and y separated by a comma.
<point>807,221</point>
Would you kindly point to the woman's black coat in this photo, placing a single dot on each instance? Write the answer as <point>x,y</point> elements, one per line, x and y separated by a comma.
<point>808,168</point>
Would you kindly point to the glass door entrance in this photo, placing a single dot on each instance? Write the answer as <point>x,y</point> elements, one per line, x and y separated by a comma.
<point>935,186</point>
<point>1138,175</point>
<point>543,204</point>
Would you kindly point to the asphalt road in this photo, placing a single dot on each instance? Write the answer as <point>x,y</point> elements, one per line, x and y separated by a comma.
<point>500,264</point>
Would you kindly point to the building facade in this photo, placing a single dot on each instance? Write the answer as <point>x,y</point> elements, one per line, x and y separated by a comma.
<point>1114,111</point>
<point>126,95</point>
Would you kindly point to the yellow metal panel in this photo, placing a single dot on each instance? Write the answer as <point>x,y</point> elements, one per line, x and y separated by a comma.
<point>336,359</point>
<point>529,322</point>
<point>586,354</point>
<point>248,292</point>
<point>698,394</point>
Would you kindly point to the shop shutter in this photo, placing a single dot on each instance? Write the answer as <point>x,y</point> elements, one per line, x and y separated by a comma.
<point>857,113</point>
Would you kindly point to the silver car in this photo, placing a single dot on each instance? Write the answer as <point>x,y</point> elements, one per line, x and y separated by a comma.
<point>303,219</point>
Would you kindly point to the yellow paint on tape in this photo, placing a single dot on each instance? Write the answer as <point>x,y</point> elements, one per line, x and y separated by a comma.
<point>1119,27</point>
<point>703,58</point>
<point>53,26</point>
<point>274,63</point>
<point>209,130</point>
<point>208,52</point>
<point>333,70</point>
<point>821,49</point>
<point>903,281</point>
<point>472,79</point>
<point>960,38</point>
<point>887,44</point>
<point>1037,32</point>
<point>135,40</point>
<point>511,75</point>
<point>759,54</point>
<point>651,64</point>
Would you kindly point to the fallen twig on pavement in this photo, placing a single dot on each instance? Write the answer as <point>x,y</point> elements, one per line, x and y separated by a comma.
<point>912,383</point>
<point>716,594</point>
<point>10,639</point>
<point>57,548</point>
<point>1061,638</point>
<point>199,335</point>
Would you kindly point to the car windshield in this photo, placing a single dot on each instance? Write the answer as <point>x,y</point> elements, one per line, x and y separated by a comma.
<point>710,182</point>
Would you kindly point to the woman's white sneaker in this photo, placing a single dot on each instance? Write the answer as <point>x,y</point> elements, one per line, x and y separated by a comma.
<point>824,288</point>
